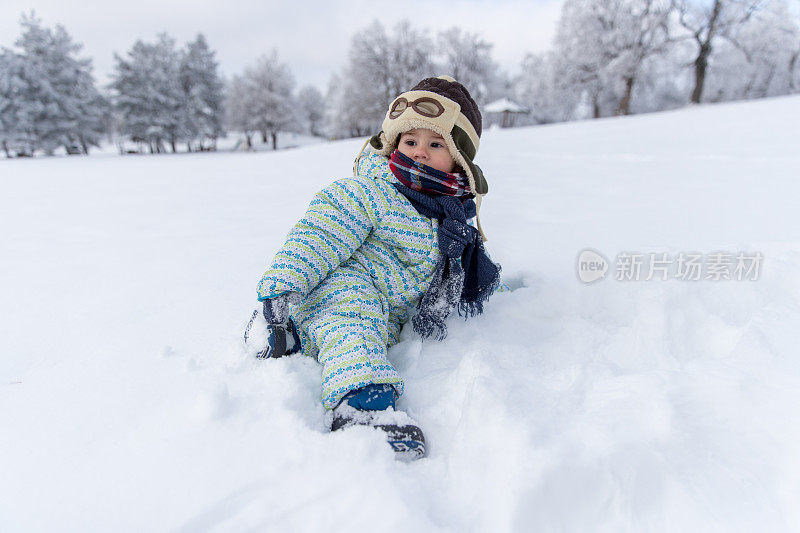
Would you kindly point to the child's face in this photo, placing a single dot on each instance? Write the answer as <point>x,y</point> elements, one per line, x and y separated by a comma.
<point>428,148</point>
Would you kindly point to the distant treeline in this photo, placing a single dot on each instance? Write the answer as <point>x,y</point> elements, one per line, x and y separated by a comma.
<point>608,58</point>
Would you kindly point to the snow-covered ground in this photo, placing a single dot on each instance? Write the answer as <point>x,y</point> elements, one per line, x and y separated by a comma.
<point>128,401</point>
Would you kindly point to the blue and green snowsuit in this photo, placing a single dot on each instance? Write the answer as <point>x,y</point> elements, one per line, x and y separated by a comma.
<point>360,259</point>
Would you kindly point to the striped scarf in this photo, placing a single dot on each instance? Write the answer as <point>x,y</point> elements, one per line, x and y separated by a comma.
<point>427,179</point>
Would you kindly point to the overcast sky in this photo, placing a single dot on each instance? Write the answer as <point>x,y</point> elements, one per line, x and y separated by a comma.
<point>311,36</point>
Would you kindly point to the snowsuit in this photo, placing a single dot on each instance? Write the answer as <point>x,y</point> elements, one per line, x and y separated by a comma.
<point>360,258</point>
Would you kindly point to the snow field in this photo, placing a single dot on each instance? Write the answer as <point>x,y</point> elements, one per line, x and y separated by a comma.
<point>128,401</point>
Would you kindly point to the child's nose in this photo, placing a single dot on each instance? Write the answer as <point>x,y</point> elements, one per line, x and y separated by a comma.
<point>420,152</point>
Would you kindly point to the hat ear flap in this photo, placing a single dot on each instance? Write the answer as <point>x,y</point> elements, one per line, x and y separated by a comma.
<point>481,187</point>
<point>375,141</point>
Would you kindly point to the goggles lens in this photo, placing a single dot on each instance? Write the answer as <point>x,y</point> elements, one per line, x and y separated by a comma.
<point>427,107</point>
<point>399,106</point>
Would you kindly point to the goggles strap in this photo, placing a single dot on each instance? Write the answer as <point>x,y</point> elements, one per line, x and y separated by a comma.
<point>478,199</point>
<point>360,153</point>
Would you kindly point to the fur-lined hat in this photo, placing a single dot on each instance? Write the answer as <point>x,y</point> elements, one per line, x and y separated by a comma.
<point>442,105</point>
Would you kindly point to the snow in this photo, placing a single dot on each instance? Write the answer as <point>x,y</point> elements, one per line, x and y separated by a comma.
<point>128,401</point>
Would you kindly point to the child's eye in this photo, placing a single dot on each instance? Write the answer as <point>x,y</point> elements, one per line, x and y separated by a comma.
<point>436,145</point>
<point>410,142</point>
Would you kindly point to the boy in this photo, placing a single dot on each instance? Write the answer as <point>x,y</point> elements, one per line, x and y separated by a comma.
<point>371,247</point>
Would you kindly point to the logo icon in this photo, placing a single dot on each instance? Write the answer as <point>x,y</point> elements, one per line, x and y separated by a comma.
<point>592,266</point>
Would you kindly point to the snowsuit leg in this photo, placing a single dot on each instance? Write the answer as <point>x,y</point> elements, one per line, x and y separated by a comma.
<point>347,321</point>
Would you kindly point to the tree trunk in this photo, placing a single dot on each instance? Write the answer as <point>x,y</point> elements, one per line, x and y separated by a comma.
<point>264,136</point>
<point>274,140</point>
<point>5,149</point>
<point>624,106</point>
<point>595,106</point>
<point>173,145</point>
<point>793,86</point>
<point>84,146</point>
<point>249,138</point>
<point>700,67</point>
<point>701,63</point>
<point>767,83</point>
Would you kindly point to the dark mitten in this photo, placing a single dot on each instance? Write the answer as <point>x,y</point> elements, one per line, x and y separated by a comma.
<point>282,337</point>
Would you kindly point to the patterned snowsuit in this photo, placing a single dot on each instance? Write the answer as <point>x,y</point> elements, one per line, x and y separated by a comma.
<point>359,258</point>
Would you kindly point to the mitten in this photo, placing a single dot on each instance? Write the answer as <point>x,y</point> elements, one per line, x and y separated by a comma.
<point>282,337</point>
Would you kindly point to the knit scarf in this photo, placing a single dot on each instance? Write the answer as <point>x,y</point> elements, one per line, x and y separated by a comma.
<point>465,276</point>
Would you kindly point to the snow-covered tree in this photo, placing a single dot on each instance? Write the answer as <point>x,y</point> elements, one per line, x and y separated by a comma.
<point>663,82</point>
<point>380,66</point>
<point>238,114</point>
<point>148,94</point>
<point>468,58</point>
<point>756,61</point>
<point>346,114</point>
<point>49,98</point>
<point>708,22</point>
<point>794,68</point>
<point>16,112</point>
<point>543,86</point>
<point>269,96</point>
<point>311,109</point>
<point>605,45</point>
<point>202,94</point>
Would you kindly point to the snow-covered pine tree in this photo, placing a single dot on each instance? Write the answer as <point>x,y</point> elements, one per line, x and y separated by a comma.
<point>55,93</point>
<point>148,94</point>
<point>203,95</point>
<point>269,96</point>
<point>16,120</point>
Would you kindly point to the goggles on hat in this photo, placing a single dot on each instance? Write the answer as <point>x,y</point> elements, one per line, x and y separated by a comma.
<point>440,113</point>
<point>425,106</point>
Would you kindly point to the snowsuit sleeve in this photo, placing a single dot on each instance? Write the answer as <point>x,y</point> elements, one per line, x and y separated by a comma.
<point>337,222</point>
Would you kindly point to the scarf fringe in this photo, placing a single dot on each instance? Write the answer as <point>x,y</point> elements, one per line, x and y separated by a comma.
<point>470,309</point>
<point>443,294</point>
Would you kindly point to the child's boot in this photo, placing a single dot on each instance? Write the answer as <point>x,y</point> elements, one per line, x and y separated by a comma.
<point>374,405</point>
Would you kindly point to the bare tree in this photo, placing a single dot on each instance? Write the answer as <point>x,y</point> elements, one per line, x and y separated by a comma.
<point>644,33</point>
<point>380,66</point>
<point>544,87</point>
<point>757,61</point>
<point>311,108</point>
<point>706,24</point>
<point>238,108</point>
<point>468,58</point>
<point>605,44</point>
<point>269,96</point>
